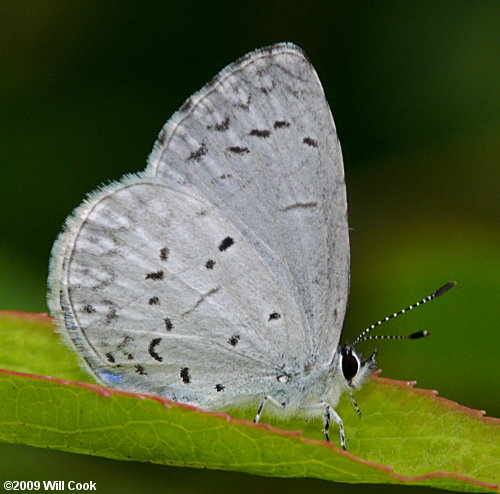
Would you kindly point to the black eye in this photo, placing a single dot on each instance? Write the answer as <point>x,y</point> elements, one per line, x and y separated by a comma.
<point>350,364</point>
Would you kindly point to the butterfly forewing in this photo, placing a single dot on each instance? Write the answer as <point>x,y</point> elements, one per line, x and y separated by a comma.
<point>259,143</point>
<point>225,263</point>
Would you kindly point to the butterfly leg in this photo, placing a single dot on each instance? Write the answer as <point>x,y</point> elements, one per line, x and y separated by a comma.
<point>354,404</point>
<point>330,413</point>
<point>266,398</point>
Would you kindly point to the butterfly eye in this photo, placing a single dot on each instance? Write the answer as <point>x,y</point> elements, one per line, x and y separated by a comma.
<point>350,364</point>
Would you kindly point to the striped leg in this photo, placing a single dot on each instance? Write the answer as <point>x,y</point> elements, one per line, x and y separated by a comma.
<point>271,400</point>
<point>330,413</point>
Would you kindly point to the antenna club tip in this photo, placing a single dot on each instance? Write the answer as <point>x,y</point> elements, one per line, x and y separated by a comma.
<point>445,288</point>
<point>419,334</point>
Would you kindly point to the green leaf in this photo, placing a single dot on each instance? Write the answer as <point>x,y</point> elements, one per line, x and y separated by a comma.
<point>31,344</point>
<point>406,436</point>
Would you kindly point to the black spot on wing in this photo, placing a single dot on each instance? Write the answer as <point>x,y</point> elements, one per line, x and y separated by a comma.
<point>154,342</point>
<point>110,358</point>
<point>297,205</point>
<point>233,341</point>
<point>224,176</point>
<point>168,324</point>
<point>238,150</point>
<point>219,387</point>
<point>88,309</point>
<point>186,378</point>
<point>154,301</point>
<point>140,370</point>
<point>126,340</point>
<point>220,127</point>
<point>210,264</point>
<point>274,315</point>
<point>164,252</point>
<point>226,243</point>
<point>156,275</point>
<point>260,133</point>
<point>112,314</point>
<point>281,124</point>
<point>199,153</point>
<point>310,142</point>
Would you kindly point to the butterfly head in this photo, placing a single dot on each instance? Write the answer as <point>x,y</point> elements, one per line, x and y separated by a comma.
<point>354,369</point>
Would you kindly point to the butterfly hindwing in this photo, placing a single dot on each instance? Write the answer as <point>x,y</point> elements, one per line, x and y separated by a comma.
<point>154,281</point>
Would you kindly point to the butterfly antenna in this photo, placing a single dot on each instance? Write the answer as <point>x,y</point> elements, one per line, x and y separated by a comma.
<point>418,334</point>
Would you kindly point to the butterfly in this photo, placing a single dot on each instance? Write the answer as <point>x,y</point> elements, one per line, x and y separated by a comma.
<point>219,275</point>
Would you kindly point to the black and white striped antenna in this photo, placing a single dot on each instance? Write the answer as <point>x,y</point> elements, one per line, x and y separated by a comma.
<point>419,334</point>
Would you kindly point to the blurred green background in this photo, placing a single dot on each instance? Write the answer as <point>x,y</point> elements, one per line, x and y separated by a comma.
<point>87,85</point>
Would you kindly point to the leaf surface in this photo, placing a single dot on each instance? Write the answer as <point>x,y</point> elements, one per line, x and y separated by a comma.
<point>406,435</point>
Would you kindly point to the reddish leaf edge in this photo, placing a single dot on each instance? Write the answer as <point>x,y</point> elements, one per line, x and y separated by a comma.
<point>472,412</point>
<point>30,316</point>
<point>477,414</point>
<point>43,317</point>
